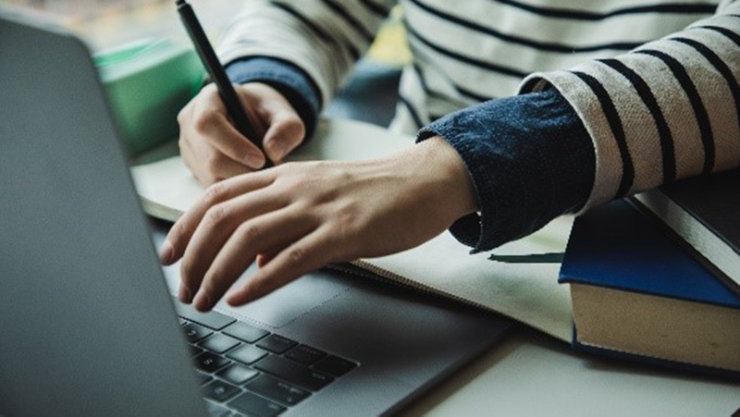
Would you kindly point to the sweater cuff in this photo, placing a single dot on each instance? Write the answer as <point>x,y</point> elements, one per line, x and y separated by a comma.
<point>292,82</point>
<point>530,159</point>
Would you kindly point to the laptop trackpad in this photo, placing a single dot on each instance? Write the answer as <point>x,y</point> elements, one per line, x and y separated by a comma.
<point>280,307</point>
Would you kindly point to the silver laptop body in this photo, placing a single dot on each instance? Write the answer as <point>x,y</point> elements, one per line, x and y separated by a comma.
<point>87,324</point>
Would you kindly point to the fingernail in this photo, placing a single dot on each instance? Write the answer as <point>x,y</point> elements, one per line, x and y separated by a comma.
<point>166,253</point>
<point>234,300</point>
<point>185,295</point>
<point>239,297</point>
<point>277,149</point>
<point>202,301</point>
<point>255,161</point>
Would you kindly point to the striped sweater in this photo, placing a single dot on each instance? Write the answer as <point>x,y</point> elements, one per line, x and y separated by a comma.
<point>654,85</point>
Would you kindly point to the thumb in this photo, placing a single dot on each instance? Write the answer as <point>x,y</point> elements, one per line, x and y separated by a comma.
<point>285,133</point>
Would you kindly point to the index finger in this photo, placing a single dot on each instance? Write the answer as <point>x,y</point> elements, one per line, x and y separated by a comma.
<point>182,231</point>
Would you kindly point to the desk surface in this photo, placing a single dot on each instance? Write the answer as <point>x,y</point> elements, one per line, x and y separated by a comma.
<point>531,374</point>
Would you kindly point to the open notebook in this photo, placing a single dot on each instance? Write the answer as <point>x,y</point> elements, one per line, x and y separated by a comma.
<point>518,279</point>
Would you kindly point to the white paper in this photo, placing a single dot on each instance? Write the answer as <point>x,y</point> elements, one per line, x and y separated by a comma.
<point>525,291</point>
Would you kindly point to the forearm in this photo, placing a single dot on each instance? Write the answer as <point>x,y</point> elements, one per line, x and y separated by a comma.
<point>665,111</point>
<point>323,38</point>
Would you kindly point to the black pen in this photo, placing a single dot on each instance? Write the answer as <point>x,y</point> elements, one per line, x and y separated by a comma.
<point>218,75</point>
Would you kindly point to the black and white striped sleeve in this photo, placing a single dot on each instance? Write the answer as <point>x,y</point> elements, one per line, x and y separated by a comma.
<point>322,37</point>
<point>661,112</point>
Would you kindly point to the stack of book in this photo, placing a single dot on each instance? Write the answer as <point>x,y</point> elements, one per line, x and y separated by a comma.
<point>658,279</point>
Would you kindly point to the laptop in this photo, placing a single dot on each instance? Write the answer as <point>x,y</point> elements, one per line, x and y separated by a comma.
<point>88,324</point>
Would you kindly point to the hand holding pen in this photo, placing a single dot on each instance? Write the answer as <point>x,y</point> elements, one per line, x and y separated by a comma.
<point>227,129</point>
<point>295,218</point>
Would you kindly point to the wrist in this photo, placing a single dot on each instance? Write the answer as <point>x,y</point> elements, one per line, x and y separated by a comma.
<point>445,176</point>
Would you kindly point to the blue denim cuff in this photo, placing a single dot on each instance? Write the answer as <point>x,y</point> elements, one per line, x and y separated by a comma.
<point>530,159</point>
<point>292,82</point>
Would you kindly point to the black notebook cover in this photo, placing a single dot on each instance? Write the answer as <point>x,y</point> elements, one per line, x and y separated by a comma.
<point>704,213</point>
<point>714,201</point>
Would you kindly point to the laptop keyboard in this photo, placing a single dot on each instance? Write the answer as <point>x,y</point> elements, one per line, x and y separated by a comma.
<point>247,371</point>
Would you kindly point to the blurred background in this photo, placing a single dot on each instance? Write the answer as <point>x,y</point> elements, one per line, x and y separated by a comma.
<point>111,23</point>
<point>369,95</point>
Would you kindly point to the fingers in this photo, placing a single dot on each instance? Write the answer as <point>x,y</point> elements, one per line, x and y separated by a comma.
<point>210,121</point>
<point>307,254</point>
<point>264,258</point>
<point>218,223</point>
<point>286,132</point>
<point>275,229</point>
<point>183,230</point>
<point>214,149</point>
<point>217,166</point>
<point>225,168</point>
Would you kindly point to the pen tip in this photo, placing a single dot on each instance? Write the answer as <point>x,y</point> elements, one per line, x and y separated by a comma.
<point>180,2</point>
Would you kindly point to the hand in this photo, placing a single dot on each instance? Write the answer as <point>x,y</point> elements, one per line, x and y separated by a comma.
<point>298,217</point>
<point>214,150</point>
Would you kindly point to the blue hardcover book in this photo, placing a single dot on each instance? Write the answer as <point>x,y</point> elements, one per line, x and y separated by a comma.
<point>638,294</point>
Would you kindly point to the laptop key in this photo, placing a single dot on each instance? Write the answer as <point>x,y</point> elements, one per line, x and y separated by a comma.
<point>334,366</point>
<point>276,344</point>
<point>245,332</point>
<point>293,372</point>
<point>305,354</point>
<point>215,410</point>
<point>277,390</point>
<point>254,405</point>
<point>209,362</point>
<point>219,390</point>
<point>237,374</point>
<point>247,354</point>
<point>212,319</point>
<point>195,350</point>
<point>194,332</point>
<point>203,378</point>
<point>219,343</point>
